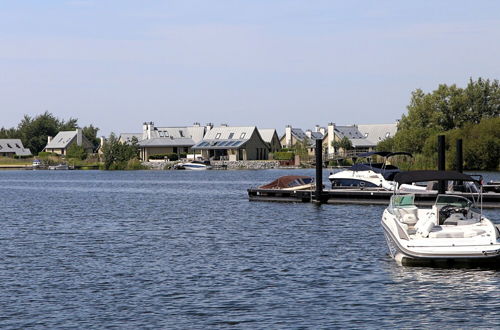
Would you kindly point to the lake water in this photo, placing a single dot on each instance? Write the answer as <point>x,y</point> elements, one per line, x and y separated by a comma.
<point>187,250</point>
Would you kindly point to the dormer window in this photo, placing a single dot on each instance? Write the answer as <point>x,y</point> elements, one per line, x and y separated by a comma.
<point>181,133</point>
<point>366,135</point>
<point>242,136</point>
<point>231,135</point>
<point>217,136</point>
<point>387,134</point>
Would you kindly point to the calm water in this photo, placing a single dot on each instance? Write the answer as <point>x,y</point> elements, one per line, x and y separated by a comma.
<point>187,250</point>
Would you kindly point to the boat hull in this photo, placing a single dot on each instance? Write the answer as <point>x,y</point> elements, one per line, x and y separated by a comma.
<point>488,258</point>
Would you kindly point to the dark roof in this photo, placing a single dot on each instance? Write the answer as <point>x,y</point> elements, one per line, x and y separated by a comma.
<point>426,175</point>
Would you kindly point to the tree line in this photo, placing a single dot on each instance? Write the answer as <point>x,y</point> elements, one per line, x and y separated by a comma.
<point>33,131</point>
<point>471,113</point>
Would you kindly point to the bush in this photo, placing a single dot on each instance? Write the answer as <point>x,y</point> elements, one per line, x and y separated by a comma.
<point>170,156</point>
<point>134,164</point>
<point>283,155</point>
<point>77,152</point>
<point>47,154</point>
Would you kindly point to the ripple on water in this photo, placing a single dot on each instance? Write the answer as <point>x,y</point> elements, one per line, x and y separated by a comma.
<point>187,250</point>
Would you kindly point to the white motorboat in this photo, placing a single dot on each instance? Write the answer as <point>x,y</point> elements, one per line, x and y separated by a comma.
<point>195,165</point>
<point>452,231</point>
<point>369,174</point>
<point>59,167</point>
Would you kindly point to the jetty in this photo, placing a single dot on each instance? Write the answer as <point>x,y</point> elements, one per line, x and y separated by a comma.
<point>365,195</point>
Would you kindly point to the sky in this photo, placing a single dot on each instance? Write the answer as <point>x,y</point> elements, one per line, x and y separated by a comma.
<point>268,63</point>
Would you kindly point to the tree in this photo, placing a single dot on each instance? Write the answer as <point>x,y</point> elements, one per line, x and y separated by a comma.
<point>345,144</point>
<point>90,132</point>
<point>77,152</point>
<point>117,154</point>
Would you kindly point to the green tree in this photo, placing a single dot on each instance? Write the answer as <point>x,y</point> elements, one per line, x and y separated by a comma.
<point>345,144</point>
<point>77,152</point>
<point>90,132</point>
<point>116,154</point>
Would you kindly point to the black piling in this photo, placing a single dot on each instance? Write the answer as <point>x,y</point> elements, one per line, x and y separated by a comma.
<point>319,171</point>
<point>459,157</point>
<point>441,162</point>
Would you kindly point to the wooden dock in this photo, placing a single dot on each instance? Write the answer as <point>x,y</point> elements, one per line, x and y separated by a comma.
<point>367,196</point>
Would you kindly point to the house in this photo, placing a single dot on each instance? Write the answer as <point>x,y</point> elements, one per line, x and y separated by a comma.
<point>233,143</point>
<point>60,143</point>
<point>362,137</point>
<point>165,140</point>
<point>270,136</point>
<point>13,148</point>
<point>293,136</point>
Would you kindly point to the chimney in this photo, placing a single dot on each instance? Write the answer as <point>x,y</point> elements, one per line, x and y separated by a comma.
<point>209,126</point>
<point>322,130</point>
<point>309,133</point>
<point>288,136</point>
<point>316,128</point>
<point>49,138</point>
<point>196,124</point>
<point>147,128</point>
<point>102,140</point>
<point>331,137</point>
<point>79,137</point>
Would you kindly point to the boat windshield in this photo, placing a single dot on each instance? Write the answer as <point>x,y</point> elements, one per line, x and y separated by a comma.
<point>453,200</point>
<point>403,201</point>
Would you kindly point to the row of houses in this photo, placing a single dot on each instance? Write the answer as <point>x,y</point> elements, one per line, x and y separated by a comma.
<point>222,142</point>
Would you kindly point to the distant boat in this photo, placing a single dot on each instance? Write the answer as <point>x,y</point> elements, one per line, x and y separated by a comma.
<point>291,182</point>
<point>195,165</point>
<point>36,163</point>
<point>59,167</point>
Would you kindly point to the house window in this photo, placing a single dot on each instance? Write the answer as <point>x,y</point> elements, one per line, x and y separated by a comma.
<point>387,134</point>
<point>161,133</point>
<point>231,135</point>
<point>242,136</point>
<point>8,145</point>
<point>217,136</point>
<point>181,133</point>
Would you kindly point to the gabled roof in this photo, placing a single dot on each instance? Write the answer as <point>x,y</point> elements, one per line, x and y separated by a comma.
<point>267,134</point>
<point>378,132</point>
<point>127,137</point>
<point>227,137</point>
<point>351,132</point>
<point>191,132</point>
<point>167,142</point>
<point>13,146</point>
<point>61,140</point>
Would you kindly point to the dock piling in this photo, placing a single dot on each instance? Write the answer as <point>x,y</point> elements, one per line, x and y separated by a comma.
<point>441,162</point>
<point>319,171</point>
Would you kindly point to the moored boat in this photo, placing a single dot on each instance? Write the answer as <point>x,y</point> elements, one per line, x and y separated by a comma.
<point>291,182</point>
<point>452,232</point>
<point>194,165</point>
<point>369,174</point>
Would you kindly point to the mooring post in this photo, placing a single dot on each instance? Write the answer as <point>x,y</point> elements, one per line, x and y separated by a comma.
<point>441,162</point>
<point>319,170</point>
<point>459,157</point>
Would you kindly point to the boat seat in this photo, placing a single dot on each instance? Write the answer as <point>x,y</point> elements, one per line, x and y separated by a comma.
<point>408,215</point>
<point>454,232</point>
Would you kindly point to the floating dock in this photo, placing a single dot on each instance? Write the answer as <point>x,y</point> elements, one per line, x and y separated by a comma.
<point>366,196</point>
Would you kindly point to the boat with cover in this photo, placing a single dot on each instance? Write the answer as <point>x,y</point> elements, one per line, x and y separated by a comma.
<point>291,182</point>
<point>452,231</point>
<point>369,174</point>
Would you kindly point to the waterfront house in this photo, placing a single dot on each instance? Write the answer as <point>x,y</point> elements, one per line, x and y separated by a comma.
<point>164,140</point>
<point>270,136</point>
<point>293,136</point>
<point>13,148</point>
<point>363,137</point>
<point>128,137</point>
<point>233,143</point>
<point>60,143</point>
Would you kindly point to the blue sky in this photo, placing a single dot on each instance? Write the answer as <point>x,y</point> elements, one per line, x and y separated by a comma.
<point>269,63</point>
